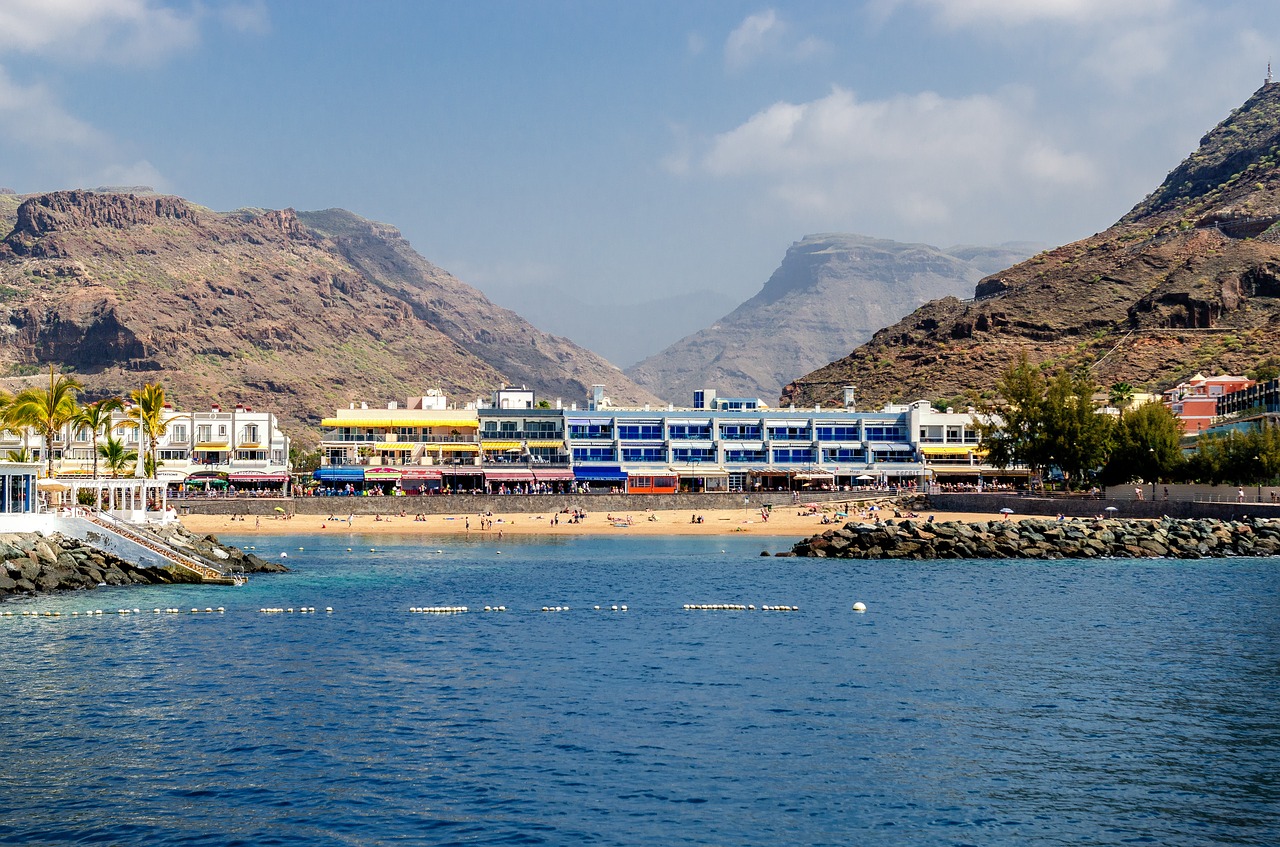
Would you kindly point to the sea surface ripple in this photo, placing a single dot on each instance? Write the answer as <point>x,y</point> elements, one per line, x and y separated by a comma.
<point>985,703</point>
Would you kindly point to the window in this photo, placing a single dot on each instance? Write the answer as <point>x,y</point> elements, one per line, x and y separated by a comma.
<point>646,431</point>
<point>178,433</point>
<point>251,455</point>
<point>842,454</point>
<point>690,432</point>
<point>793,455</point>
<point>886,432</point>
<point>799,432</point>
<point>203,433</point>
<point>741,456</point>
<point>644,454</point>
<point>740,432</point>
<point>222,430</point>
<point>594,454</point>
<point>837,433</point>
<point>893,454</point>
<point>590,430</point>
<point>173,455</point>
<point>130,435</point>
<point>693,454</point>
<point>251,433</point>
<point>509,428</point>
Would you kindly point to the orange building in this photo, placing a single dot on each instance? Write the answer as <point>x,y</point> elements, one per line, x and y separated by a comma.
<point>1195,402</point>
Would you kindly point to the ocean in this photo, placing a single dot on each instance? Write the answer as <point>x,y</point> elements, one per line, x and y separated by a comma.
<point>985,703</point>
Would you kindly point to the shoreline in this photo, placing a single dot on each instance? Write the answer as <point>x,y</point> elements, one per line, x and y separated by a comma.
<point>783,522</point>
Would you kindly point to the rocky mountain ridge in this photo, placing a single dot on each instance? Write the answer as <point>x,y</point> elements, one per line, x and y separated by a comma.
<point>299,313</point>
<point>1188,280</point>
<point>831,292</point>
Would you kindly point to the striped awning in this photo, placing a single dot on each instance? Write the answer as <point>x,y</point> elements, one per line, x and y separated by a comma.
<point>258,476</point>
<point>949,449</point>
<point>560,475</point>
<point>382,473</point>
<point>394,445</point>
<point>546,443</point>
<point>500,445</point>
<point>509,476</point>
<point>454,447</point>
<point>420,473</point>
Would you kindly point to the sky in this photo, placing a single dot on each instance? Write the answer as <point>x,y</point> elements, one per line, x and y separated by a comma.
<point>594,163</point>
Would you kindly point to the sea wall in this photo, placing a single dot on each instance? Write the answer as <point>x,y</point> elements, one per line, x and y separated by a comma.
<point>463,504</point>
<point>37,563</point>
<point>1046,539</point>
<point>1080,506</point>
<point>44,560</point>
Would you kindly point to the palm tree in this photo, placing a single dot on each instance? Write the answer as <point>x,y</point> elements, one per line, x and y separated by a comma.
<point>22,456</point>
<point>1120,395</point>
<point>97,417</point>
<point>147,412</point>
<point>116,456</point>
<point>46,411</point>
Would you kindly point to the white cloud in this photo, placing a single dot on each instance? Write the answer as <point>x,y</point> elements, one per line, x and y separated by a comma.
<point>123,31</point>
<point>31,116</point>
<point>921,159</point>
<point>1023,12</point>
<point>765,35</point>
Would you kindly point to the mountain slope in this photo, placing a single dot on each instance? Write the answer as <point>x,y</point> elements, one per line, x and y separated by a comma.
<point>259,307</point>
<point>1188,280</point>
<point>830,294</point>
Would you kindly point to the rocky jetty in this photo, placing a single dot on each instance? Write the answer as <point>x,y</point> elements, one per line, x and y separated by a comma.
<point>35,563</point>
<point>1046,539</point>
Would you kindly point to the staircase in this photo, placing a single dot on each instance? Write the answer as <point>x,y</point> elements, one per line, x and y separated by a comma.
<point>180,561</point>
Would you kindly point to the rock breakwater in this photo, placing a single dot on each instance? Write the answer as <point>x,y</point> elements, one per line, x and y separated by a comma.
<point>1046,539</point>
<point>36,563</point>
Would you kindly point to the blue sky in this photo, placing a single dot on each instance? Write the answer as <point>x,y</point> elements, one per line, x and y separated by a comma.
<point>575,159</point>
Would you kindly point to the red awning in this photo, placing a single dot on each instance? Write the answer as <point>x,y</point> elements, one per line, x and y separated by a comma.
<point>421,473</point>
<point>553,476</point>
<point>258,476</point>
<point>508,476</point>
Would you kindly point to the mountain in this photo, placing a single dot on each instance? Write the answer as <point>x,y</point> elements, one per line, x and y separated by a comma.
<point>299,313</point>
<point>1188,280</point>
<point>830,293</point>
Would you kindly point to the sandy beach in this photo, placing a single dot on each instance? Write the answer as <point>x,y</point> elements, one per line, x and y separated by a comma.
<point>791,522</point>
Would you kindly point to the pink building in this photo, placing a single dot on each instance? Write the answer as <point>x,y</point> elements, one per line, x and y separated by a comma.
<point>1195,402</point>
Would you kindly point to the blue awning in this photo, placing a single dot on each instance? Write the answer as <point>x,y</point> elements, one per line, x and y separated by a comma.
<point>600,473</point>
<point>340,474</point>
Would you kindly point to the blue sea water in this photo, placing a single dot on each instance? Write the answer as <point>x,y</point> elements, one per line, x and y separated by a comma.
<point>985,703</point>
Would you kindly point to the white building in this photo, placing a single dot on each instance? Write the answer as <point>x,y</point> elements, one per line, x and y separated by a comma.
<point>240,447</point>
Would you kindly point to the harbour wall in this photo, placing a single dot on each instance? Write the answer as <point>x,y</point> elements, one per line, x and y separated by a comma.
<point>1077,506</point>
<point>464,504</point>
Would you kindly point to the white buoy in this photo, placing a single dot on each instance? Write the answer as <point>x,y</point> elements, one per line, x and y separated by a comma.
<point>328,608</point>
<point>624,608</point>
<point>859,606</point>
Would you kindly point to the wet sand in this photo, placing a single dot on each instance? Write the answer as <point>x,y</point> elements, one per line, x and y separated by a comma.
<point>789,521</point>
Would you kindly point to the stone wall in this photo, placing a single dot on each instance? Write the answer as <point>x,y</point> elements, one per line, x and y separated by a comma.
<point>1084,507</point>
<point>464,504</point>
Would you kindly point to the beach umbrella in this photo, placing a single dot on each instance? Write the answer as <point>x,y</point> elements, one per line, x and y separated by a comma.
<point>864,477</point>
<point>279,508</point>
<point>1006,511</point>
<point>1111,509</point>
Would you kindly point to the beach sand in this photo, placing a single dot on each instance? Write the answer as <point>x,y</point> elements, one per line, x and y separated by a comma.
<point>784,521</point>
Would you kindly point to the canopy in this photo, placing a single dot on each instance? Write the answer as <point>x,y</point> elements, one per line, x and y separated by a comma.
<point>500,445</point>
<point>948,449</point>
<point>382,473</point>
<point>509,476</point>
<point>600,473</point>
<point>420,473</point>
<point>394,445</point>
<point>559,475</point>
<point>340,473</point>
<point>559,443</point>
<point>258,476</point>
<point>206,476</point>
